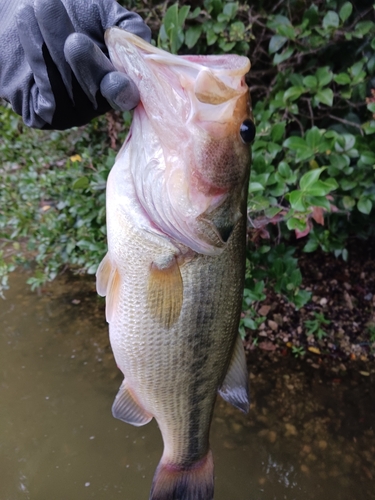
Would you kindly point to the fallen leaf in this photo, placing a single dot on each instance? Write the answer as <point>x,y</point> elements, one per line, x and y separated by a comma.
<point>273,325</point>
<point>313,349</point>
<point>267,346</point>
<point>264,310</point>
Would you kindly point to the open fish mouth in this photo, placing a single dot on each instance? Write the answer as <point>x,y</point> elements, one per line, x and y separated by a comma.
<point>189,119</point>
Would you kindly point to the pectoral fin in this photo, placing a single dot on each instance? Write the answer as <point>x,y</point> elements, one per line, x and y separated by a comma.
<point>107,285</point>
<point>102,276</point>
<point>127,409</point>
<point>235,388</point>
<point>165,293</point>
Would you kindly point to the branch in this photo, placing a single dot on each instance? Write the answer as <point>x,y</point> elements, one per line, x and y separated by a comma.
<point>347,122</point>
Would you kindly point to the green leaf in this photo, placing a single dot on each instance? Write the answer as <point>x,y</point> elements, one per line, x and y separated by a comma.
<point>294,142</point>
<point>223,18</point>
<point>276,42</point>
<point>230,9</point>
<point>296,200</point>
<point>345,11</point>
<point>356,69</point>
<point>192,35</point>
<point>255,186</point>
<point>284,170</point>
<point>311,246</point>
<point>313,138</point>
<point>369,127</point>
<point>364,205</point>
<point>287,31</point>
<point>211,37</point>
<point>226,46</point>
<point>182,15</point>
<point>331,20</point>
<point>348,202</point>
<point>271,212</point>
<point>293,93</point>
<point>297,144</point>
<point>277,21</point>
<point>319,201</point>
<point>310,178</point>
<point>362,28</point>
<point>325,96</point>
<point>347,185</point>
<point>321,188</point>
<point>279,58</point>
<point>81,183</point>
<point>368,158</point>
<point>219,28</point>
<point>237,30</point>
<point>195,13</point>
<point>295,223</point>
<point>324,76</point>
<point>277,131</point>
<point>310,82</point>
<point>171,17</point>
<point>342,79</point>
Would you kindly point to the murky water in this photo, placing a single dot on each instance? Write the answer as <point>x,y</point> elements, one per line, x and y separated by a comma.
<point>305,438</point>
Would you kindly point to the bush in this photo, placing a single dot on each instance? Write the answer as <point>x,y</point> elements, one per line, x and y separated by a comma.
<point>312,83</point>
<point>53,196</point>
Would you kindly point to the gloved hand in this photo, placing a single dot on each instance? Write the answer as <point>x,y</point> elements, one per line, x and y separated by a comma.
<point>54,68</point>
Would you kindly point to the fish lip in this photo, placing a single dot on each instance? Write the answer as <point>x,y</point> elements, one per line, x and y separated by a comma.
<point>113,34</point>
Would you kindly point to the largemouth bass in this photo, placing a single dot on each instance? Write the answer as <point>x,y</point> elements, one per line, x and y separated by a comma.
<point>173,275</point>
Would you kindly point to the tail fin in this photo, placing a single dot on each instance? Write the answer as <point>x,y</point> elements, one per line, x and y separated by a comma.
<point>193,482</point>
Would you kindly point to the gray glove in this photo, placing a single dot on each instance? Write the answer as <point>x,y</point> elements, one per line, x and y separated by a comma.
<point>54,68</point>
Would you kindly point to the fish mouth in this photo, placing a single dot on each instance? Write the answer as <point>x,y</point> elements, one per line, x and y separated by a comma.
<point>212,86</point>
<point>238,65</point>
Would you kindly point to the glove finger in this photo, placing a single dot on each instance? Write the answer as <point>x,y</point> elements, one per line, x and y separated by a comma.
<point>55,27</point>
<point>137,28</point>
<point>121,92</point>
<point>88,63</point>
<point>111,13</point>
<point>41,97</point>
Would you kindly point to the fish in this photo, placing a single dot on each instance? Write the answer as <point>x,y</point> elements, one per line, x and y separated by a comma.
<point>173,275</point>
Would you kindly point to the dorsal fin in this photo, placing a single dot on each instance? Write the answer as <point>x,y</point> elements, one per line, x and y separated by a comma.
<point>165,293</point>
<point>235,388</point>
<point>127,408</point>
<point>107,285</point>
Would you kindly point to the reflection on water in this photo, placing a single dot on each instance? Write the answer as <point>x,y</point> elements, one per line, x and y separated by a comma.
<point>304,438</point>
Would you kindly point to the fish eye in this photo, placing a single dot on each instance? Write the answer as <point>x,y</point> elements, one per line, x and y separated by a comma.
<point>247,131</point>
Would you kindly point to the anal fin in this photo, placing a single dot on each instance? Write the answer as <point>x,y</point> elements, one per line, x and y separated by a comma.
<point>235,388</point>
<point>165,293</point>
<point>127,409</point>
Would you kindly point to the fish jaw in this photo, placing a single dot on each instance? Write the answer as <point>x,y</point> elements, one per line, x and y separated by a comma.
<point>188,119</point>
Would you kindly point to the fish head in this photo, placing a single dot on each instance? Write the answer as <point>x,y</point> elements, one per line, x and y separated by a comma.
<point>194,125</point>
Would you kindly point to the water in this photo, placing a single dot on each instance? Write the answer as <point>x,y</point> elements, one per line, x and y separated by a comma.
<point>305,438</point>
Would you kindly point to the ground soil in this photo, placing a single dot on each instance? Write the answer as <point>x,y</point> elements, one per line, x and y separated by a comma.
<point>343,293</point>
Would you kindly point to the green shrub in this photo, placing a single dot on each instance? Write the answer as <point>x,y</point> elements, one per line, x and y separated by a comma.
<point>313,66</point>
<point>312,82</point>
<point>53,197</point>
